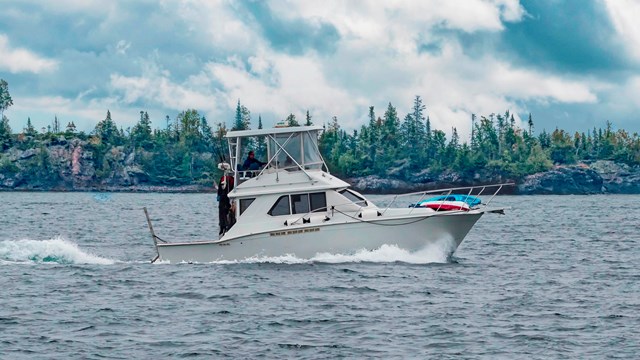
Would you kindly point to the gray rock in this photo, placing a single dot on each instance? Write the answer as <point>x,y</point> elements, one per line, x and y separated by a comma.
<point>563,181</point>
<point>618,178</point>
<point>29,153</point>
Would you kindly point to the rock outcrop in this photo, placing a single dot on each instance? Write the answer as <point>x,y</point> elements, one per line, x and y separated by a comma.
<point>618,178</point>
<point>563,180</point>
<point>69,165</point>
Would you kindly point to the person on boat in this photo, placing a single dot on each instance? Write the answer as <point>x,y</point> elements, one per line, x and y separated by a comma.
<point>252,163</point>
<point>226,218</point>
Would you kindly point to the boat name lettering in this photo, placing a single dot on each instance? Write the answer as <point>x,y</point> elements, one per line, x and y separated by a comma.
<point>293,232</point>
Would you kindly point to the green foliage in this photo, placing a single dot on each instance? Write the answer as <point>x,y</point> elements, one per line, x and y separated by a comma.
<point>308,121</point>
<point>388,147</point>
<point>291,120</point>
<point>242,118</point>
<point>7,167</point>
<point>6,138</point>
<point>5,98</point>
<point>108,132</point>
<point>141,134</point>
<point>41,169</point>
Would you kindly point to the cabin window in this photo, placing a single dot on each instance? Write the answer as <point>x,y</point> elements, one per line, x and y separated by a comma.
<point>300,203</point>
<point>281,207</point>
<point>354,198</point>
<point>244,204</point>
<point>318,201</point>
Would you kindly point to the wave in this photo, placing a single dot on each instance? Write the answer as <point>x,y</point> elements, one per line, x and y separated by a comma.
<point>56,250</point>
<point>439,252</point>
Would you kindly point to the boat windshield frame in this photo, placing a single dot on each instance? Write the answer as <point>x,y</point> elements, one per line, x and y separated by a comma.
<point>287,149</point>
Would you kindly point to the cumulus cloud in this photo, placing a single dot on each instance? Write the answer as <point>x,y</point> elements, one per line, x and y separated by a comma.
<point>332,58</point>
<point>154,88</point>
<point>624,14</point>
<point>17,60</point>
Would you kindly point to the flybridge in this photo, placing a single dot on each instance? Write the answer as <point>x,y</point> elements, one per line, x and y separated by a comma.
<point>289,149</point>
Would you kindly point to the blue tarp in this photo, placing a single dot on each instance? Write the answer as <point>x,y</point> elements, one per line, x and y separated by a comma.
<point>471,200</point>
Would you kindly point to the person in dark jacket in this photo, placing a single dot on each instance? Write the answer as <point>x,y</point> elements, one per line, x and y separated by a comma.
<point>226,218</point>
<point>252,163</point>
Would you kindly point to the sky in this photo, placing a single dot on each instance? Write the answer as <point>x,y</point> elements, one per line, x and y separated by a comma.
<point>572,64</point>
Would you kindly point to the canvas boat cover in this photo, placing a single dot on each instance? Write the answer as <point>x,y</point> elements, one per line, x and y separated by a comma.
<point>471,200</point>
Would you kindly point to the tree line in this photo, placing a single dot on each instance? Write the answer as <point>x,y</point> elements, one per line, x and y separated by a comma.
<point>187,149</point>
<point>389,147</point>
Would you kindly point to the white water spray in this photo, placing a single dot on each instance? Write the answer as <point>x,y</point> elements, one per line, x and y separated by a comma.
<point>437,252</point>
<point>56,250</point>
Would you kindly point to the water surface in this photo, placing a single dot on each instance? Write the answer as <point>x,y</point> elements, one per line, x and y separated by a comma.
<point>557,277</point>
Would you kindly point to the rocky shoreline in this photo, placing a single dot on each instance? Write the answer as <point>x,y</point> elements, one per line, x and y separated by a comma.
<point>72,169</point>
<point>599,177</point>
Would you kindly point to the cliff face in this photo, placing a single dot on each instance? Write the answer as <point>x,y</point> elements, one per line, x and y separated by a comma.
<point>71,166</point>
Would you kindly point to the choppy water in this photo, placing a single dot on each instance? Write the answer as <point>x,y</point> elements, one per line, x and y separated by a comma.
<point>557,277</point>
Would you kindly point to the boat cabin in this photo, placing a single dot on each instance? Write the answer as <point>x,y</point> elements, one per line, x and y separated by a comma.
<point>292,185</point>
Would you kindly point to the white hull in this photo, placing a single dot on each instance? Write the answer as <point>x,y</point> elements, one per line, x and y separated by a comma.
<point>294,207</point>
<point>305,241</point>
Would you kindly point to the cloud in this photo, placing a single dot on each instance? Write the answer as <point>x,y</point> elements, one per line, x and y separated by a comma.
<point>573,36</point>
<point>332,58</point>
<point>279,84</point>
<point>18,60</point>
<point>155,89</point>
<point>623,14</point>
<point>293,35</point>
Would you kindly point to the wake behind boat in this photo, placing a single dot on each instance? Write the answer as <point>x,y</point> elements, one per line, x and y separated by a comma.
<point>294,206</point>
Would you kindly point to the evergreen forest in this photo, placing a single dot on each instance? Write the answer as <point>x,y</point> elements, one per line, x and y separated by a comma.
<point>186,149</point>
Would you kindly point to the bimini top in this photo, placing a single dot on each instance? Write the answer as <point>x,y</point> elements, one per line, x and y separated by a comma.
<point>276,150</point>
<point>272,131</point>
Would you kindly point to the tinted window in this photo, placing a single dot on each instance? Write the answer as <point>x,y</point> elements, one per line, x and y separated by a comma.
<point>353,197</point>
<point>300,203</point>
<point>281,207</point>
<point>244,204</point>
<point>318,201</point>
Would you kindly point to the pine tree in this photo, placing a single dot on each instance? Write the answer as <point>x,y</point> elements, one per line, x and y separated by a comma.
<point>473,128</point>
<point>141,134</point>
<point>108,131</point>
<point>56,125</point>
<point>30,130</point>
<point>389,140</point>
<point>308,120</point>
<point>71,128</point>
<point>5,134</point>
<point>5,98</point>
<point>291,120</point>
<point>207,132</point>
<point>242,118</point>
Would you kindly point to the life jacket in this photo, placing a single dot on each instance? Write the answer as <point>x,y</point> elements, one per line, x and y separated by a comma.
<point>226,183</point>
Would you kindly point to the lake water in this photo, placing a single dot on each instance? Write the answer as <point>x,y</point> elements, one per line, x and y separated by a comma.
<point>556,277</point>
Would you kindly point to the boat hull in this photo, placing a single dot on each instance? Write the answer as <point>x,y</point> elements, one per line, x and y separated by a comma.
<point>305,242</point>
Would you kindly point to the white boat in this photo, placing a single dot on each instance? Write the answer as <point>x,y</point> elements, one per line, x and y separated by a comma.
<point>294,206</point>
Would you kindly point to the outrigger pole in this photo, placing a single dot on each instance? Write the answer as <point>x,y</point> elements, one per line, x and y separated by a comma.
<point>153,235</point>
